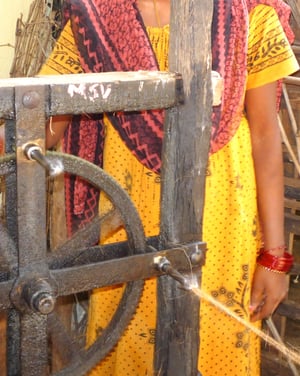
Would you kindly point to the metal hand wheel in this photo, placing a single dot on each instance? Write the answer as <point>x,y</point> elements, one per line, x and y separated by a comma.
<point>33,299</point>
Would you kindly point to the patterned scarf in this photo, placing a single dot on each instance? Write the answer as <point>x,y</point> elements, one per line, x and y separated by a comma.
<point>229,55</point>
<point>103,31</point>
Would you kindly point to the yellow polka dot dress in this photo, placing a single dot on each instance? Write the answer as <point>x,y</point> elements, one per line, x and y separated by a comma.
<point>134,353</point>
<point>231,228</point>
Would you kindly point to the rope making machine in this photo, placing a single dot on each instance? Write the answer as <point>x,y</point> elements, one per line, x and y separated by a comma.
<point>33,277</point>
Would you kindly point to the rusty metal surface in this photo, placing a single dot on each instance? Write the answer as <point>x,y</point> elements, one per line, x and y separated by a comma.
<point>98,92</point>
<point>32,244</point>
<point>32,280</point>
<point>42,277</point>
<point>131,268</point>
<point>5,289</point>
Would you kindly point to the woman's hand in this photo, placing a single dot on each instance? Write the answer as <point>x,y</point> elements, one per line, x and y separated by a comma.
<point>268,290</point>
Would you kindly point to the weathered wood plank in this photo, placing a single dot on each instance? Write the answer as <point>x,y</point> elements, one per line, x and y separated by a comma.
<point>292,223</point>
<point>295,269</point>
<point>186,143</point>
<point>295,8</point>
<point>289,309</point>
<point>273,364</point>
<point>292,80</point>
<point>292,203</point>
<point>292,182</point>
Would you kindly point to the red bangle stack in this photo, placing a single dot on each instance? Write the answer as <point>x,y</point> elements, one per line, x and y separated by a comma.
<point>277,264</point>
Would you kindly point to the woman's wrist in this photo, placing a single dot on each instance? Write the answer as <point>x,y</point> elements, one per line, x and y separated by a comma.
<point>281,263</point>
<point>275,251</point>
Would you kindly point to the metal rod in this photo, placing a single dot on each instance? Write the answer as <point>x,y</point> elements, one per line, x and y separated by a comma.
<point>34,152</point>
<point>164,265</point>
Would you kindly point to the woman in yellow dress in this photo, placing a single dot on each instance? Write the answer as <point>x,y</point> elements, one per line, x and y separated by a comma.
<point>244,185</point>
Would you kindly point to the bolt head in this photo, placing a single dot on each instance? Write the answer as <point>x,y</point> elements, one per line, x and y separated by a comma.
<point>196,257</point>
<point>44,303</point>
<point>31,99</point>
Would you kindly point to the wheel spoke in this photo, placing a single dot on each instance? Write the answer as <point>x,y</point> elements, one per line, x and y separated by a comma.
<point>35,327</point>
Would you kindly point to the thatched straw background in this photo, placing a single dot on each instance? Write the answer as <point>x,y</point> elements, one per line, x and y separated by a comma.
<point>34,38</point>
